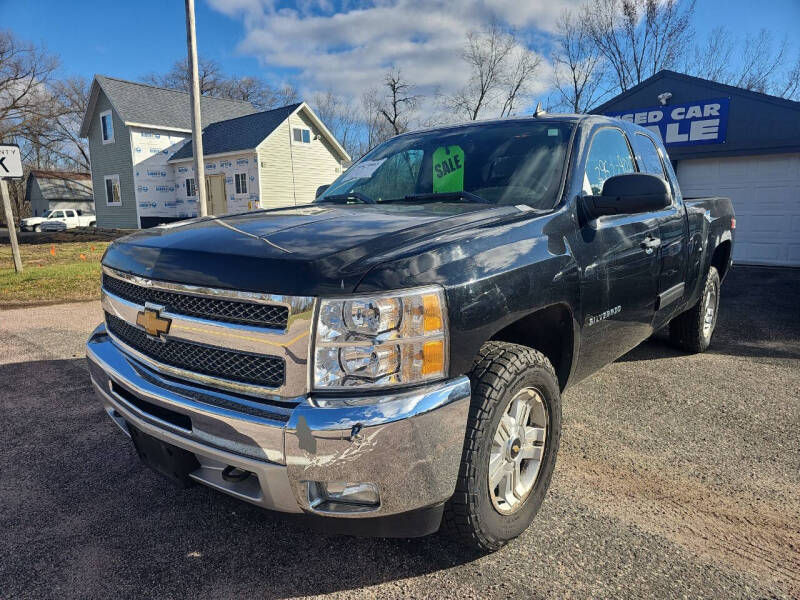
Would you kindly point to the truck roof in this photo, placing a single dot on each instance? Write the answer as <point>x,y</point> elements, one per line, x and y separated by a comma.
<point>556,117</point>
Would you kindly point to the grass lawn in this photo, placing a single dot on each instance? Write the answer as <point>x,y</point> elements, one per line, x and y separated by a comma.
<point>70,274</point>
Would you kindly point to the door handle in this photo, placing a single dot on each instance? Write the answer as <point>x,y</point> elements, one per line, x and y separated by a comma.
<point>650,243</point>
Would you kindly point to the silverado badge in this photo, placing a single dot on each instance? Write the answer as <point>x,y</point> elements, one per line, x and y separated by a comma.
<point>152,322</point>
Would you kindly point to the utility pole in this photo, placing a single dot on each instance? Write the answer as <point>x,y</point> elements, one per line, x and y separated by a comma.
<point>197,130</point>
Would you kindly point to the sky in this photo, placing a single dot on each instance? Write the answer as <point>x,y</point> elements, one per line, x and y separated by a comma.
<point>342,45</point>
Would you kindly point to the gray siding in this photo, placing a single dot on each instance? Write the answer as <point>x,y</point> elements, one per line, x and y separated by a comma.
<point>35,197</point>
<point>112,159</point>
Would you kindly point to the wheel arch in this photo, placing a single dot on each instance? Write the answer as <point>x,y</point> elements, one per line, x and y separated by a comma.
<point>551,330</point>
<point>721,258</point>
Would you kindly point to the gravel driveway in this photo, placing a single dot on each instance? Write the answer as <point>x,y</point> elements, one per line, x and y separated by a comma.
<point>678,476</point>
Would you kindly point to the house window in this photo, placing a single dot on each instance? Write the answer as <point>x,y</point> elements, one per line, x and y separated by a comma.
<point>113,197</point>
<point>106,127</point>
<point>241,182</point>
<point>191,188</point>
<point>301,136</point>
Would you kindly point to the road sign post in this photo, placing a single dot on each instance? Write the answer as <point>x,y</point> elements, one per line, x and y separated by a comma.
<point>10,168</point>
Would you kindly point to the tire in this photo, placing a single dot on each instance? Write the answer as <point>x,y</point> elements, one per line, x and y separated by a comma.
<point>692,330</point>
<point>501,373</point>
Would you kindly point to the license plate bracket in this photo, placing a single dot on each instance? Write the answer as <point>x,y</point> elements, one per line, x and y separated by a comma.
<point>170,461</point>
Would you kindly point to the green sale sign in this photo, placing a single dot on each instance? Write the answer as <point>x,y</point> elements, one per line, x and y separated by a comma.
<point>448,169</point>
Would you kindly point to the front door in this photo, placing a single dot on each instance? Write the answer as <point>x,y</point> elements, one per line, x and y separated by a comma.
<point>620,264</point>
<point>215,193</point>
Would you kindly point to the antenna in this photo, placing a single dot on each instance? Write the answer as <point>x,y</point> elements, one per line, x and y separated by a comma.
<point>539,110</point>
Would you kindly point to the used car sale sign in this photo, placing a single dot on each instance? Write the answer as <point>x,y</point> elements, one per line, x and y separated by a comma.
<point>700,122</point>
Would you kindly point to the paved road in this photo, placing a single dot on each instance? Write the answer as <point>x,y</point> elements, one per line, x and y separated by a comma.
<point>679,476</point>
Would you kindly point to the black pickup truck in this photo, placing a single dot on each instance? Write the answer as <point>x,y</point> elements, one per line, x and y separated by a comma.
<point>390,359</point>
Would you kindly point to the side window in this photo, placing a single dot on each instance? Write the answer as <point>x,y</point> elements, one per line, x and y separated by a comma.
<point>301,136</point>
<point>651,160</point>
<point>609,155</point>
<point>107,127</point>
<point>57,215</point>
<point>113,196</point>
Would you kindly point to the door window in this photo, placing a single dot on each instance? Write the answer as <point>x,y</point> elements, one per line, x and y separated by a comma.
<point>609,155</point>
<point>57,215</point>
<point>651,160</point>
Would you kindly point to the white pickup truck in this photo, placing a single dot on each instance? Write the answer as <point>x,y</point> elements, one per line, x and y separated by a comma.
<point>58,220</point>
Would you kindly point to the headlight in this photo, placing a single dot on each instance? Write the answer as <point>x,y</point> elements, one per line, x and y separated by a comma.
<point>382,340</point>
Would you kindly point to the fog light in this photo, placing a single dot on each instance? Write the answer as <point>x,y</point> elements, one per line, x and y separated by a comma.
<point>343,492</point>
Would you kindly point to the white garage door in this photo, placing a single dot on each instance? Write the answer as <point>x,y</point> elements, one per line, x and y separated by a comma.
<point>765,191</point>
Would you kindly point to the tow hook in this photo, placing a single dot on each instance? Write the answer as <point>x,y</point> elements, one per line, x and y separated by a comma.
<point>234,474</point>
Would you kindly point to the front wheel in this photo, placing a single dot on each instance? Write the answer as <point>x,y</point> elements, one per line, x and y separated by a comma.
<point>512,439</point>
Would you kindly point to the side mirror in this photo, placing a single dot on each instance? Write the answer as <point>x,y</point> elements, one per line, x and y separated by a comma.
<point>629,194</point>
<point>321,190</point>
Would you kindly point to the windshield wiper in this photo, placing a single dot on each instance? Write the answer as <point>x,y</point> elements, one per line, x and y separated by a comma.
<point>443,197</point>
<point>344,198</point>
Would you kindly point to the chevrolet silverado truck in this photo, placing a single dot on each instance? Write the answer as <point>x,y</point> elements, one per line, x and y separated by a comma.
<point>389,359</point>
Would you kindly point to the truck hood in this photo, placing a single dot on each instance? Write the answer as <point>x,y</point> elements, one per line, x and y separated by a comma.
<point>306,250</point>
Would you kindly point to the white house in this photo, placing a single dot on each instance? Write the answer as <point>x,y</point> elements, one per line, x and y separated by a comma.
<point>141,154</point>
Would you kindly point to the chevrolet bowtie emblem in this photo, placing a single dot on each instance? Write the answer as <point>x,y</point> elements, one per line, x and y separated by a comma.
<point>153,323</point>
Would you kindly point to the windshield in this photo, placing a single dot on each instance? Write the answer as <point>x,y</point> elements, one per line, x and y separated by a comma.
<point>510,162</point>
<point>46,214</point>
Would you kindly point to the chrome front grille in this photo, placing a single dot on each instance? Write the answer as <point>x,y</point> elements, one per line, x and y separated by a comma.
<point>249,343</point>
<point>216,362</point>
<point>226,311</point>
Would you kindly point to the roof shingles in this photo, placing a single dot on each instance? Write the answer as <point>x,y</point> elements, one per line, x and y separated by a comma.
<point>242,133</point>
<point>160,107</point>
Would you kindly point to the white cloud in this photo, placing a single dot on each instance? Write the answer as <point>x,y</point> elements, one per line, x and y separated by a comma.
<point>348,48</point>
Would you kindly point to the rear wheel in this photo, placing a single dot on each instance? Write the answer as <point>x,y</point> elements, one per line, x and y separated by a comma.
<point>510,448</point>
<point>692,330</point>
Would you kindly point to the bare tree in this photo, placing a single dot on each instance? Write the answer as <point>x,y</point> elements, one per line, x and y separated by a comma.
<point>578,69</point>
<point>638,38</point>
<point>179,77</point>
<point>25,72</point>
<point>341,118</point>
<point>790,87</point>
<point>400,102</point>
<point>754,63</point>
<point>485,53</point>
<point>518,77</point>
<point>60,134</point>
<point>501,71</point>
<point>215,82</point>
<point>713,58</point>
<point>760,62</point>
<point>377,128</point>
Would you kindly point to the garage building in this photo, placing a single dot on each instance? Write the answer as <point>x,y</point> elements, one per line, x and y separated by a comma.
<point>51,190</point>
<point>727,141</point>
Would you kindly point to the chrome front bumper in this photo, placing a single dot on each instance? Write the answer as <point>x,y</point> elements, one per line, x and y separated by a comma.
<point>409,444</point>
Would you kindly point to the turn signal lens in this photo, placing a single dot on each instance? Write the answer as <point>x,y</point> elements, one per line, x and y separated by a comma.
<point>432,320</point>
<point>433,358</point>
